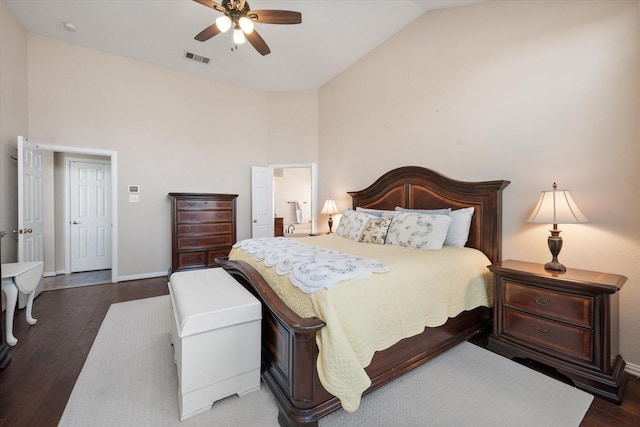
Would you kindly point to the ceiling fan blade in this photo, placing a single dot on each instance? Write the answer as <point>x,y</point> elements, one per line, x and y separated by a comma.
<point>258,42</point>
<point>207,33</point>
<point>275,16</point>
<point>211,4</point>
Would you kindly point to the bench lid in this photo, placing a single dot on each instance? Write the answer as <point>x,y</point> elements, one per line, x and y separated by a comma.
<point>208,299</point>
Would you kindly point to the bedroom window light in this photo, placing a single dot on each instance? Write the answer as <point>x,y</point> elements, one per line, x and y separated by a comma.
<point>556,207</point>
<point>330,208</point>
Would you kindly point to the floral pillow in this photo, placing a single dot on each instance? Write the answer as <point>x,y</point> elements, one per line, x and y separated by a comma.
<point>375,230</point>
<point>352,223</point>
<point>420,231</point>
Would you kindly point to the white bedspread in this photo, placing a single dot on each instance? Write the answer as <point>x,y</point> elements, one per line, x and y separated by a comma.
<point>310,268</point>
<point>422,288</point>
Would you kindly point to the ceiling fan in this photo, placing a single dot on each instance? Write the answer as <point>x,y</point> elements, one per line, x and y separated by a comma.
<point>238,15</point>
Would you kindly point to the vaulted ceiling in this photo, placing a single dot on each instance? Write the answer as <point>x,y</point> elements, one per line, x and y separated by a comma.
<point>333,35</point>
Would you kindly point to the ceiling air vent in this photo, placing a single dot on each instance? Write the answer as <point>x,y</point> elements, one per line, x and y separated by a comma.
<point>196,57</point>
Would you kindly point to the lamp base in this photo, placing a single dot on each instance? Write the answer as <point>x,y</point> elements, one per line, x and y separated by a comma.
<point>555,244</point>
<point>330,224</point>
<point>555,265</point>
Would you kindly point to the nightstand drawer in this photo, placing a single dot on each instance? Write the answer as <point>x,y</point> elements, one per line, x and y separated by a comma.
<point>532,330</point>
<point>574,309</point>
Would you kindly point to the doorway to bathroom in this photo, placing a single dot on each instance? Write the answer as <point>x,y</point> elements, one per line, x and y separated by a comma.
<point>293,200</point>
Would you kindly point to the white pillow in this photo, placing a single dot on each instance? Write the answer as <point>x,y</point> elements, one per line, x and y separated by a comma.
<point>352,223</point>
<point>421,231</point>
<point>375,212</point>
<point>458,232</point>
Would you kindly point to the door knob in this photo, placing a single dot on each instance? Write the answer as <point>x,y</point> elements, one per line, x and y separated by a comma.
<point>75,222</point>
<point>28,230</point>
<point>255,220</point>
<point>14,231</point>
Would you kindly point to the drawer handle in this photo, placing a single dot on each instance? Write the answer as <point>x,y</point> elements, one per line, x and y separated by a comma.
<point>192,242</point>
<point>220,227</point>
<point>542,331</point>
<point>191,216</point>
<point>542,301</point>
<point>221,239</point>
<point>191,204</point>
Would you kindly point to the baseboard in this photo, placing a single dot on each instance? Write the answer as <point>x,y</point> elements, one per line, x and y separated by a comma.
<point>633,369</point>
<point>53,273</point>
<point>142,276</point>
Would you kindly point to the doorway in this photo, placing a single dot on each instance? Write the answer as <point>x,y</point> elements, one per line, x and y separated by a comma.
<point>58,222</point>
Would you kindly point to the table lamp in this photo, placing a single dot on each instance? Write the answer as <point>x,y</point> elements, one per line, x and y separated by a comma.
<point>329,208</point>
<point>556,207</point>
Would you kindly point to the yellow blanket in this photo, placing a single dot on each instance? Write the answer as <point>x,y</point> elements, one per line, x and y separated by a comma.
<point>422,288</point>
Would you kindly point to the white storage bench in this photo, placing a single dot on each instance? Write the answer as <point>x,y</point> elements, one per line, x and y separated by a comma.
<point>215,336</point>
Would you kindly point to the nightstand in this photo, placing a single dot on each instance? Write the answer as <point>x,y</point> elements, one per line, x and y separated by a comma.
<point>565,320</point>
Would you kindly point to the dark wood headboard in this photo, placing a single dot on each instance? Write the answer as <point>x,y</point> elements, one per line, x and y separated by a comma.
<point>415,187</point>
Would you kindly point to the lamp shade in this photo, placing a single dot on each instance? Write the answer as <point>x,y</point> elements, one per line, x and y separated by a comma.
<point>329,207</point>
<point>556,207</point>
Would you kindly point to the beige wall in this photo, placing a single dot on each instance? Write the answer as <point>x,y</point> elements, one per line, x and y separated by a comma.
<point>529,91</point>
<point>172,132</point>
<point>13,120</point>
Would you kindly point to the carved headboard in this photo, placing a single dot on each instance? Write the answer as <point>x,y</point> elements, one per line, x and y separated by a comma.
<point>415,187</point>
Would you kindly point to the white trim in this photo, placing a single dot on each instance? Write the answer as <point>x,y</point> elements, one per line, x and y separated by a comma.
<point>114,193</point>
<point>143,276</point>
<point>633,370</point>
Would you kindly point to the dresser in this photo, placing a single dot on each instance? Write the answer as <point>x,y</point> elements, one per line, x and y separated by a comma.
<point>565,320</point>
<point>203,227</point>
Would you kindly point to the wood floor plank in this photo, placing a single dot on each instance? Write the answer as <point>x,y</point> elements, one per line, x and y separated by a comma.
<point>49,356</point>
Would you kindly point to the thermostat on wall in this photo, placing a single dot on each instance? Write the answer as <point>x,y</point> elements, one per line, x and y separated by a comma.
<point>134,189</point>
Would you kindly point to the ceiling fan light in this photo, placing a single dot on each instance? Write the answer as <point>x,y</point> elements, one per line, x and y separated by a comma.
<point>223,22</point>
<point>238,36</point>
<point>246,24</point>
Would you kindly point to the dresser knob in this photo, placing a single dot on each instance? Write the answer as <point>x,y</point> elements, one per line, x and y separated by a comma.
<point>542,301</point>
<point>542,331</point>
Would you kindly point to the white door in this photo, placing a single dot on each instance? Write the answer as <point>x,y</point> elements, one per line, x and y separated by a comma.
<point>30,212</point>
<point>261,201</point>
<point>30,231</point>
<point>90,214</point>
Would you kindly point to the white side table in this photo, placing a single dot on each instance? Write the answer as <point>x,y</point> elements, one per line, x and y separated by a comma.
<point>23,277</point>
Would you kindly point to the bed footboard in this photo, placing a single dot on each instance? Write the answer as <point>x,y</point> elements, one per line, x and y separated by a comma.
<point>289,351</point>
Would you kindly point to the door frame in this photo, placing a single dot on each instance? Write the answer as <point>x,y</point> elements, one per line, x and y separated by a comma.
<point>67,205</point>
<point>314,187</point>
<point>113,155</point>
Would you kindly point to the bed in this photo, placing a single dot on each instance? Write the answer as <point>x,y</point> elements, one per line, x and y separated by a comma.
<point>289,349</point>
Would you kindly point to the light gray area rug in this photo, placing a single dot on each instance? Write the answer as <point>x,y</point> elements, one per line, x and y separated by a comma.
<point>129,379</point>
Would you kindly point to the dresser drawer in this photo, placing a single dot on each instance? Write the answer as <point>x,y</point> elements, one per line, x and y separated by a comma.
<point>217,253</point>
<point>203,216</point>
<point>204,229</point>
<point>532,330</point>
<point>574,309</point>
<point>204,242</point>
<point>191,259</point>
<point>204,204</point>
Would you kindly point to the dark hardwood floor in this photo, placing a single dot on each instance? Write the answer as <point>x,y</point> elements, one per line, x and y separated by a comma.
<point>49,356</point>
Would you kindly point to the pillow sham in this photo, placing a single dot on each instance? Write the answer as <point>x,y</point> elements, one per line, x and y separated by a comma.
<point>352,223</point>
<point>458,232</point>
<point>420,231</point>
<point>443,211</point>
<point>375,212</point>
<point>375,230</point>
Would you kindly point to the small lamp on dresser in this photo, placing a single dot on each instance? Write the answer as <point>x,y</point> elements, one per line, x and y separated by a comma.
<point>556,207</point>
<point>331,209</point>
